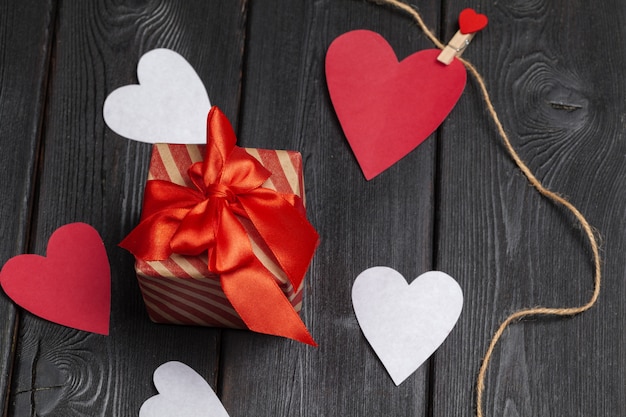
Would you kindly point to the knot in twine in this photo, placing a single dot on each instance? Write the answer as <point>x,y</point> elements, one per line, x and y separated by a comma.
<point>552,196</point>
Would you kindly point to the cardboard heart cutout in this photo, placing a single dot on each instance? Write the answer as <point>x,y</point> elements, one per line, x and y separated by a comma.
<point>405,323</point>
<point>71,286</point>
<point>387,108</point>
<point>471,22</point>
<point>182,393</point>
<point>170,104</point>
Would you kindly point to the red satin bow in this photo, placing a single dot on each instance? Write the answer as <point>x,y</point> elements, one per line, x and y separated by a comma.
<point>188,221</point>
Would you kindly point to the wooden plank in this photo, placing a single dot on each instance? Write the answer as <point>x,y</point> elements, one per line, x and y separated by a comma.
<point>553,69</point>
<point>386,221</point>
<point>25,38</point>
<point>90,174</point>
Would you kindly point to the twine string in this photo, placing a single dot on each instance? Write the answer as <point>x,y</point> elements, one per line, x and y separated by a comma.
<point>554,197</point>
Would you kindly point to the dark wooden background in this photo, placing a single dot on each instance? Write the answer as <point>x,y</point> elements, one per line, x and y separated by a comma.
<point>456,204</point>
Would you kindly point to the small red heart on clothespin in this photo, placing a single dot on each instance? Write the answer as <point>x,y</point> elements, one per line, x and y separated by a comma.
<point>70,286</point>
<point>471,22</point>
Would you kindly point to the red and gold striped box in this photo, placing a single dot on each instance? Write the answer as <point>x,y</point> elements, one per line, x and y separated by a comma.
<point>181,290</point>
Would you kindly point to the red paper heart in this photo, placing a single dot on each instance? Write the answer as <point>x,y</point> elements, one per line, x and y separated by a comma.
<point>71,286</point>
<point>471,22</point>
<point>387,108</point>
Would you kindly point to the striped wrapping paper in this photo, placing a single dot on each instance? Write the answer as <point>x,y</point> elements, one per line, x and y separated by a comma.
<point>181,290</point>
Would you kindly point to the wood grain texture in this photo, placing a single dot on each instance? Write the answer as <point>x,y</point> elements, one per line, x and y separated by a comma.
<point>546,65</point>
<point>89,174</point>
<point>25,37</point>
<point>386,221</point>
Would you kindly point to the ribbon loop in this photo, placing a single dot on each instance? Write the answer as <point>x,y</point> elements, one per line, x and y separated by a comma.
<point>228,186</point>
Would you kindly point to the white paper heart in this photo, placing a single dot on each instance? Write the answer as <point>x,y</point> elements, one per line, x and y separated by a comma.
<point>405,323</point>
<point>169,105</point>
<point>182,393</point>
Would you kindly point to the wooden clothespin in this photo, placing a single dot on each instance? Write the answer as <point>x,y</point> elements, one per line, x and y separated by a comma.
<point>470,22</point>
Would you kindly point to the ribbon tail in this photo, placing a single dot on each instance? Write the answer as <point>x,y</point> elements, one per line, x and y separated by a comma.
<point>274,315</point>
<point>250,287</point>
<point>277,222</point>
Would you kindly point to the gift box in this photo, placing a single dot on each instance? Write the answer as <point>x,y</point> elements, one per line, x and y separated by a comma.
<point>206,204</point>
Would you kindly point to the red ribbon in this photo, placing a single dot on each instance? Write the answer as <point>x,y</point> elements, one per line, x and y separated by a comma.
<point>191,221</point>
